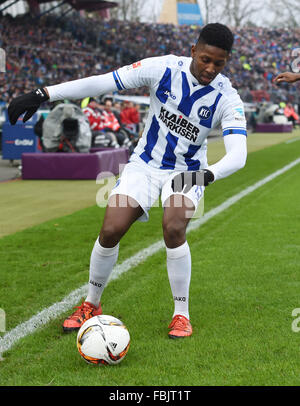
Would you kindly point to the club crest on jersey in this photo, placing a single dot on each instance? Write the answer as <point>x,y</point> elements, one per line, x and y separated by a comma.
<point>204,113</point>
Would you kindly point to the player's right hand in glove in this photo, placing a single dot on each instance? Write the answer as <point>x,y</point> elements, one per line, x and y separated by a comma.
<point>184,181</point>
<point>27,103</point>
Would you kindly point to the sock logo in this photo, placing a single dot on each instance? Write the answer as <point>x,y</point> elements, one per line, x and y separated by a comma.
<point>179,299</point>
<point>98,285</point>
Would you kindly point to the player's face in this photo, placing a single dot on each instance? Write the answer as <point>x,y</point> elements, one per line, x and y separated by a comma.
<point>208,61</point>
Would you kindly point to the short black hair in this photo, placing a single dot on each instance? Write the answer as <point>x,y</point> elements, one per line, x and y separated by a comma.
<point>217,35</point>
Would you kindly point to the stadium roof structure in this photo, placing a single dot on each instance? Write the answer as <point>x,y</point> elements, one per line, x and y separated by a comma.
<point>92,5</point>
<point>88,5</point>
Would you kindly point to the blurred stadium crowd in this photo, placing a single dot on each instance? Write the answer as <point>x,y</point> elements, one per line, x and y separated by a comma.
<point>51,50</point>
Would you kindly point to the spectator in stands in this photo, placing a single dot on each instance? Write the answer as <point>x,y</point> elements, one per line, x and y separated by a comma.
<point>291,115</point>
<point>109,119</point>
<point>59,50</point>
<point>112,124</point>
<point>253,119</point>
<point>94,113</point>
<point>116,109</point>
<point>130,116</point>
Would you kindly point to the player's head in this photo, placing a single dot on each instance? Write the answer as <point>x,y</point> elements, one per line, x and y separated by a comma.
<point>211,52</point>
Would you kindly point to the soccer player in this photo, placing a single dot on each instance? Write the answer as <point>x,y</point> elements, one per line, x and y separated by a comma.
<point>188,97</point>
<point>289,77</point>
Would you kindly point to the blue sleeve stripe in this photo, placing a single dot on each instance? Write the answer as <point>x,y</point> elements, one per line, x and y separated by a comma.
<point>234,128</point>
<point>235,131</point>
<point>117,81</point>
<point>120,81</point>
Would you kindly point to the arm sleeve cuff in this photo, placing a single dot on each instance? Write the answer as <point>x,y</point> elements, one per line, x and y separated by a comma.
<point>234,159</point>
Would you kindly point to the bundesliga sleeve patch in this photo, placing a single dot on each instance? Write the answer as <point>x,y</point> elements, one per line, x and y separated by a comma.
<point>238,114</point>
<point>134,65</point>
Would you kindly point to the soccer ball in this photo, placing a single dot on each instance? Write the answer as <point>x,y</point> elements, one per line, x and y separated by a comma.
<point>103,340</point>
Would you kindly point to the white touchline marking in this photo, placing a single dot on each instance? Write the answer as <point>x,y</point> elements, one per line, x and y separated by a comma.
<point>292,140</point>
<point>52,312</point>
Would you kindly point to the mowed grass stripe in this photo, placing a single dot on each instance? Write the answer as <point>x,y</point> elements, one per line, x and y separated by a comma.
<point>47,261</point>
<point>245,283</point>
<point>25,203</point>
<point>58,308</point>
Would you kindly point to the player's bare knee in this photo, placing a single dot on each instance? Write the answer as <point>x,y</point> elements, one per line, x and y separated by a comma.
<point>174,230</point>
<point>110,234</point>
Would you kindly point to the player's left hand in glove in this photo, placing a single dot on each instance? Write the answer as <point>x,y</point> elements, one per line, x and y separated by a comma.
<point>189,179</point>
<point>27,103</point>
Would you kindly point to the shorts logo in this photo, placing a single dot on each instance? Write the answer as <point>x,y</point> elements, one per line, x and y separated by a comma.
<point>198,192</point>
<point>204,112</point>
<point>117,183</point>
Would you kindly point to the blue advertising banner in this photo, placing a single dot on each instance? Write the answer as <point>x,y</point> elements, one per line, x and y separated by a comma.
<point>189,14</point>
<point>19,138</point>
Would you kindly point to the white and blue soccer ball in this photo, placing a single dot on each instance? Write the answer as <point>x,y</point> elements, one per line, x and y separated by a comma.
<point>103,340</point>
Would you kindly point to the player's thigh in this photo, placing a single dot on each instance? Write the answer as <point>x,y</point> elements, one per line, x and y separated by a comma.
<point>180,204</point>
<point>178,211</point>
<point>121,212</point>
<point>139,183</point>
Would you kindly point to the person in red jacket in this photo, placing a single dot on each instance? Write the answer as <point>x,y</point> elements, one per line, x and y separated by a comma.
<point>93,113</point>
<point>109,119</point>
<point>290,113</point>
<point>130,116</point>
<point>99,125</point>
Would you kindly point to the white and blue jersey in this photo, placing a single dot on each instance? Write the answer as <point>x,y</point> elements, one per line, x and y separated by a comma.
<point>182,112</point>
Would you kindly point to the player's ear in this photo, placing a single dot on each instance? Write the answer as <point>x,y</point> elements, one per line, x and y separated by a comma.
<point>193,50</point>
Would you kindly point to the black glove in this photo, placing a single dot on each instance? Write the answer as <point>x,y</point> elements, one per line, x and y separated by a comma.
<point>28,103</point>
<point>189,179</point>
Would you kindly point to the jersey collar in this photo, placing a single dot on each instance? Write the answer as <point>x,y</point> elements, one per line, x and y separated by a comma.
<point>194,84</point>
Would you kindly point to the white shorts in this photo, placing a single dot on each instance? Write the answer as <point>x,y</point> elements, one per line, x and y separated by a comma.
<point>146,184</point>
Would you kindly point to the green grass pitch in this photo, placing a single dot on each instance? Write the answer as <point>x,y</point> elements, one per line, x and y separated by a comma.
<point>245,285</point>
